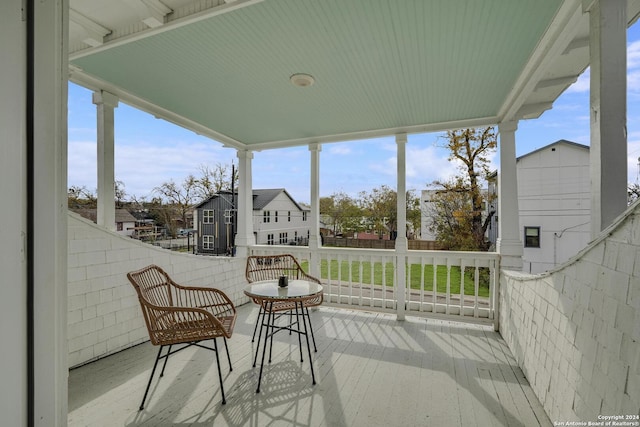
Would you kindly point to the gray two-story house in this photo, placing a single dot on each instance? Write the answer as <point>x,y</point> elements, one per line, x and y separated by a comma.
<point>277,219</point>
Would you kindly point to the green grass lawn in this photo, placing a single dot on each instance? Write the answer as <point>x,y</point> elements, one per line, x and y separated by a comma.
<point>362,272</point>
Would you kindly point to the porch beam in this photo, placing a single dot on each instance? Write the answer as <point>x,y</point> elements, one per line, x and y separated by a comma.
<point>244,233</point>
<point>151,12</point>
<point>509,244</point>
<point>608,112</point>
<point>402,244</point>
<point>181,16</point>
<point>95,33</point>
<point>106,211</point>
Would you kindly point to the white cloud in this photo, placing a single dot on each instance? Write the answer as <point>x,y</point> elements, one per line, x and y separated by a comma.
<point>339,149</point>
<point>144,166</point>
<point>582,84</point>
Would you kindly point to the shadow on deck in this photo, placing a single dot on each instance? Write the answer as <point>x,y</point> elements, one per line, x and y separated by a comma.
<point>371,370</point>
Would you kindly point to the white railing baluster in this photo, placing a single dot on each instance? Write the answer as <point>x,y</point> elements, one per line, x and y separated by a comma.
<point>352,264</point>
<point>462,267</point>
<point>476,287</point>
<point>448,293</point>
<point>434,296</point>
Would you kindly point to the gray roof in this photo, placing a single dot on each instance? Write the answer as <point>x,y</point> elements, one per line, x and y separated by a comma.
<point>122,215</point>
<point>261,198</point>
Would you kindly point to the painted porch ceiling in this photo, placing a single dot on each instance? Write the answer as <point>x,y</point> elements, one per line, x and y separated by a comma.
<point>380,66</point>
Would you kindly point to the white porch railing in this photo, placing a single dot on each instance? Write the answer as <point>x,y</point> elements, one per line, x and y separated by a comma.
<point>461,284</point>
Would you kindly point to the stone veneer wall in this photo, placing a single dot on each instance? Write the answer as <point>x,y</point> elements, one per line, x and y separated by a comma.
<point>103,311</point>
<point>575,331</point>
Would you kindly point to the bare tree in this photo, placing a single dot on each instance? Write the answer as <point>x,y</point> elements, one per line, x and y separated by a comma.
<point>79,197</point>
<point>120,193</point>
<point>180,198</point>
<point>633,193</point>
<point>212,180</point>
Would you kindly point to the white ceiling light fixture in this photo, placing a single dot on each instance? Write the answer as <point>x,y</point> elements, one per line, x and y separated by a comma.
<point>302,80</point>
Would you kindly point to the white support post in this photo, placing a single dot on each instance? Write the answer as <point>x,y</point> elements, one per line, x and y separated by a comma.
<point>315,242</point>
<point>49,209</point>
<point>244,233</point>
<point>608,98</point>
<point>106,212</point>
<point>402,244</point>
<point>509,244</point>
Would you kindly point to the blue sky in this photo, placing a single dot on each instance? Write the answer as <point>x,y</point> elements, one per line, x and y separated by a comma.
<point>150,151</point>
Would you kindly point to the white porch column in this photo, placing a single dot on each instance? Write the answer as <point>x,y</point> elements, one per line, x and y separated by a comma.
<point>315,242</point>
<point>244,232</point>
<point>106,212</point>
<point>509,243</point>
<point>402,244</point>
<point>608,98</point>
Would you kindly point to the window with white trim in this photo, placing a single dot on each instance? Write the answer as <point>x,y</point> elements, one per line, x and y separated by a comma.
<point>284,238</point>
<point>266,216</point>
<point>228,216</point>
<point>208,242</point>
<point>304,215</point>
<point>270,239</point>
<point>208,216</point>
<point>275,218</point>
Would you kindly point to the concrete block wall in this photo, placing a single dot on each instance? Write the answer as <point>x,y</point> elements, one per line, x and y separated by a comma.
<point>575,331</point>
<point>104,315</point>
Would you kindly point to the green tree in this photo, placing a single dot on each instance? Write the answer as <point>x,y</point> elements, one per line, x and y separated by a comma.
<point>341,213</point>
<point>381,209</point>
<point>458,205</point>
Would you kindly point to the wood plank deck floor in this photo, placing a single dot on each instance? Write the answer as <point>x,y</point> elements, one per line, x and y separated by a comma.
<point>371,370</point>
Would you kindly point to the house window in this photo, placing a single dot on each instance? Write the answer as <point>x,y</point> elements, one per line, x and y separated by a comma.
<point>266,216</point>
<point>289,216</point>
<point>208,242</point>
<point>283,238</point>
<point>228,216</point>
<point>208,216</point>
<point>275,219</point>
<point>269,239</point>
<point>532,237</point>
<point>118,226</point>
<point>304,215</point>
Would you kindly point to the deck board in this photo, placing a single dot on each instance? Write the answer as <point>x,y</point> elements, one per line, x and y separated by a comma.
<point>371,370</point>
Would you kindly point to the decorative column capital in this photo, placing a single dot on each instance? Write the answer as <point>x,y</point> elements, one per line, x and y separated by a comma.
<point>245,154</point>
<point>105,98</point>
<point>401,138</point>
<point>315,146</point>
<point>510,126</point>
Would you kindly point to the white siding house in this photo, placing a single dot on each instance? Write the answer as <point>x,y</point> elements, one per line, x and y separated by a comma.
<point>278,219</point>
<point>426,209</point>
<point>554,204</point>
<point>125,223</point>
